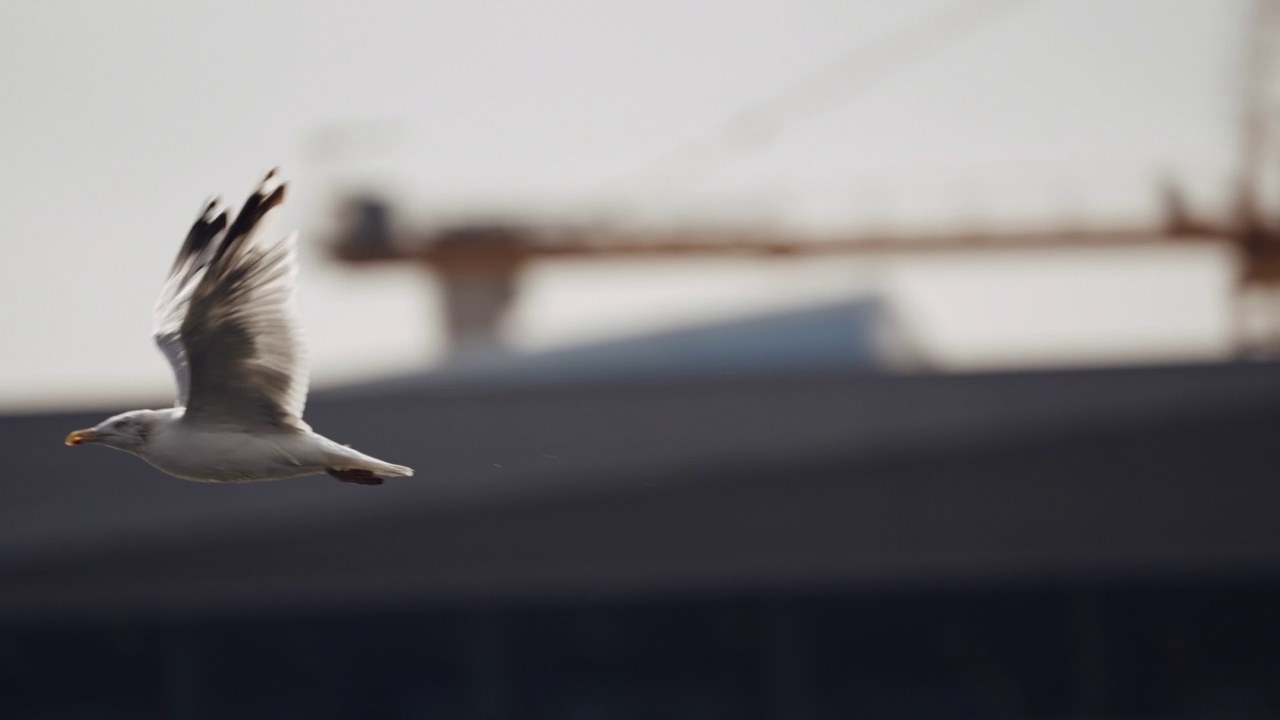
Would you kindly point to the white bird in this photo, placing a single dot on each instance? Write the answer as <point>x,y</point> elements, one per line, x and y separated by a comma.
<point>226,324</point>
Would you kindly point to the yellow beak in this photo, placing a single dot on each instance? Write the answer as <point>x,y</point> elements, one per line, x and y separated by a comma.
<point>83,436</point>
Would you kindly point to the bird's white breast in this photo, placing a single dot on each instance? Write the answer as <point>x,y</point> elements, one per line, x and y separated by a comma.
<point>224,454</point>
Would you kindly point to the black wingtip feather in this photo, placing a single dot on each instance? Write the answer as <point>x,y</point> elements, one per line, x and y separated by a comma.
<point>203,231</point>
<point>255,208</point>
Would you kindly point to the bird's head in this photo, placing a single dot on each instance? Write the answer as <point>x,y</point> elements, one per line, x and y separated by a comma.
<point>126,431</point>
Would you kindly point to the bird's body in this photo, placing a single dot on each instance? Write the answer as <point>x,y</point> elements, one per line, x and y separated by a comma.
<point>229,453</point>
<point>225,322</point>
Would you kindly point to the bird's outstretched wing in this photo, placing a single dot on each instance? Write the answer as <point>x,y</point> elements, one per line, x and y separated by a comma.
<point>225,319</point>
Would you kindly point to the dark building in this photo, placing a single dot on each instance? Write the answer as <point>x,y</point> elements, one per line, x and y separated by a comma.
<point>773,541</point>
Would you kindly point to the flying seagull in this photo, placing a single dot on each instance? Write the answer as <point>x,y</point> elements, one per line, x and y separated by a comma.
<point>225,322</point>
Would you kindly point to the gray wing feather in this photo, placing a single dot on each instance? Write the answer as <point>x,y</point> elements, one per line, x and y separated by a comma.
<point>225,321</point>
<point>171,308</point>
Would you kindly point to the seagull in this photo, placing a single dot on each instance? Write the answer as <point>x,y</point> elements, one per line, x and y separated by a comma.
<point>225,323</point>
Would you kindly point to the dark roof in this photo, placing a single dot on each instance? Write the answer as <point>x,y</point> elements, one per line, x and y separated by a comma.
<point>761,480</point>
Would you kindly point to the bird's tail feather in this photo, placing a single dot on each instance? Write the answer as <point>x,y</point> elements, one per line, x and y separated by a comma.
<point>345,458</point>
<point>389,470</point>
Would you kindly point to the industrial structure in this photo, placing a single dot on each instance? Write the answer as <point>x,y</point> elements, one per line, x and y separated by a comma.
<point>478,265</point>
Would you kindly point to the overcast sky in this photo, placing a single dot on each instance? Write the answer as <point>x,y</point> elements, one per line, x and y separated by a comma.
<point>120,119</point>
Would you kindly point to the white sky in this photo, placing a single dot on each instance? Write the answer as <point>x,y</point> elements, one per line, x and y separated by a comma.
<point>120,119</point>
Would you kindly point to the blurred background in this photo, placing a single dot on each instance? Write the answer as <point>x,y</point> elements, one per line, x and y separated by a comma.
<point>757,359</point>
